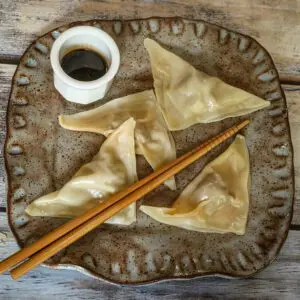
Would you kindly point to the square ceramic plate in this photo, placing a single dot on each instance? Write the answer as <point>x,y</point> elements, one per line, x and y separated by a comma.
<point>41,156</point>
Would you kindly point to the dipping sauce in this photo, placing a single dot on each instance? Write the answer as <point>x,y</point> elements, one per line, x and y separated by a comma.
<point>84,64</point>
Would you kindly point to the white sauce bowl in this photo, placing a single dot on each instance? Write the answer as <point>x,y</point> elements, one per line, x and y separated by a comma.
<point>84,92</point>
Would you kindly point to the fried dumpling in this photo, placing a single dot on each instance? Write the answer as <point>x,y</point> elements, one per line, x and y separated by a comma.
<point>217,200</point>
<point>188,96</point>
<point>112,169</point>
<point>153,139</point>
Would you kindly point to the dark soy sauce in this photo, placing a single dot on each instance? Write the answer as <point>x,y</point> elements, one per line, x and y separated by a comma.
<point>84,64</point>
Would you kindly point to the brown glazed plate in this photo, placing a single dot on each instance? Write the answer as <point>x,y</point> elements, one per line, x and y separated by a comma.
<point>41,156</point>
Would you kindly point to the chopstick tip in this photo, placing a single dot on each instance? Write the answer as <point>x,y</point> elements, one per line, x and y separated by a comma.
<point>14,275</point>
<point>243,124</point>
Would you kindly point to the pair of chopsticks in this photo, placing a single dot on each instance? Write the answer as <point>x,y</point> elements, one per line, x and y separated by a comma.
<point>63,236</point>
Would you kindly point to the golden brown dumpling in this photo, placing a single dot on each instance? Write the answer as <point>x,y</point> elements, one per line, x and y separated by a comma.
<point>111,170</point>
<point>188,96</point>
<point>153,139</point>
<point>217,200</point>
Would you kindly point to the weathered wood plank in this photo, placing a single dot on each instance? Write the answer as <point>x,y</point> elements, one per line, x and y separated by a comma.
<point>46,284</point>
<point>275,24</point>
<point>6,237</point>
<point>278,281</point>
<point>6,73</point>
<point>293,98</point>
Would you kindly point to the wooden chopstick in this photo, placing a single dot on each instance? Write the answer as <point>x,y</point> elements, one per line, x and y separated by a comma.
<point>24,253</point>
<point>112,206</point>
<point>50,237</point>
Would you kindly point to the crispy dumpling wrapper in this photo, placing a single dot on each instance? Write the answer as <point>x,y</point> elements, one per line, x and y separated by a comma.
<point>217,200</point>
<point>188,96</point>
<point>153,139</point>
<point>112,169</point>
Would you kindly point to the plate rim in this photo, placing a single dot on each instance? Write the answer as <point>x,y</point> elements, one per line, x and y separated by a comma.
<point>95,275</point>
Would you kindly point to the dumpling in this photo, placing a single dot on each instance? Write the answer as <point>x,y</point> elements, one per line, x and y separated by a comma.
<point>153,139</point>
<point>111,170</point>
<point>188,96</point>
<point>217,200</point>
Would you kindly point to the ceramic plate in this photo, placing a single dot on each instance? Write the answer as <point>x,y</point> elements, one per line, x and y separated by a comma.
<point>41,156</point>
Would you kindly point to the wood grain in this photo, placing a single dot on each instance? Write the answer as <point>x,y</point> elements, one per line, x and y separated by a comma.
<point>274,23</point>
<point>278,281</point>
<point>6,73</point>
<point>293,99</point>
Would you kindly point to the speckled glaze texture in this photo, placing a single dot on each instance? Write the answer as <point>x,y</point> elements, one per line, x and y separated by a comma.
<point>41,156</point>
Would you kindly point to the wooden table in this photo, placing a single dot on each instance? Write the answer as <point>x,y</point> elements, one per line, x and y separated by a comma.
<point>274,23</point>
